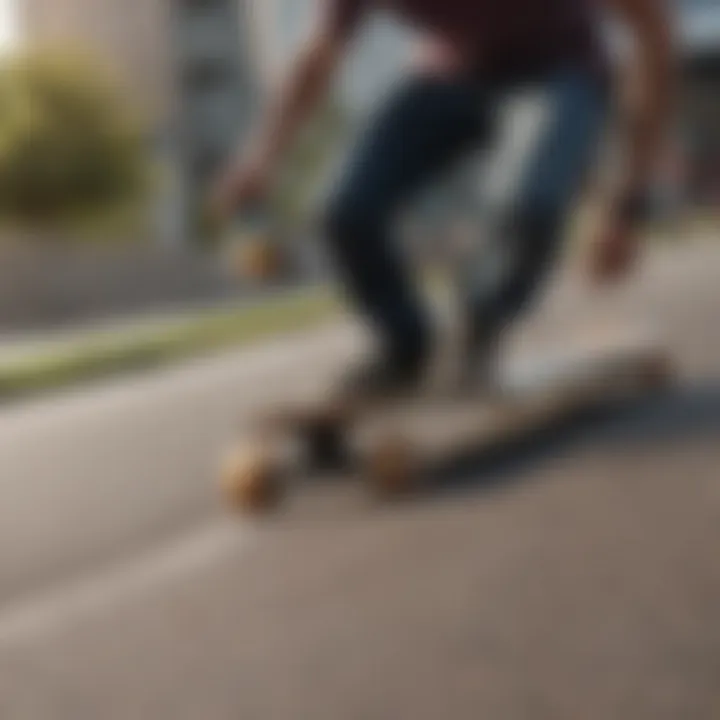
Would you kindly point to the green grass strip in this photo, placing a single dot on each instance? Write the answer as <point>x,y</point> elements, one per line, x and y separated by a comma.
<point>134,349</point>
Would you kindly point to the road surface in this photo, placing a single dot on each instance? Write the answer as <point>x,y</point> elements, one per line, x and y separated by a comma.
<point>578,579</point>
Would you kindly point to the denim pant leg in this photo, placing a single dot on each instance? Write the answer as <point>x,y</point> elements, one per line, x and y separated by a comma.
<point>549,186</point>
<point>419,133</point>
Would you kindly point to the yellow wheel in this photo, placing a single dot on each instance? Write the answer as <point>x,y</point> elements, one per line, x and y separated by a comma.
<point>257,259</point>
<point>250,479</point>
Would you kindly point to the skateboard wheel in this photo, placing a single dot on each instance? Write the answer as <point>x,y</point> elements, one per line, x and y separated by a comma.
<point>250,479</point>
<point>393,467</point>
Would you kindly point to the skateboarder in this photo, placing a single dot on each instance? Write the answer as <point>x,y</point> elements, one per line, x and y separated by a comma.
<point>472,52</point>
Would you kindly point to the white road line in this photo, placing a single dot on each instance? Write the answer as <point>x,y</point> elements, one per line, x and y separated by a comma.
<point>33,619</point>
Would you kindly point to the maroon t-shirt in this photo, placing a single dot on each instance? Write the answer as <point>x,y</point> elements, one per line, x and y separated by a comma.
<point>495,36</point>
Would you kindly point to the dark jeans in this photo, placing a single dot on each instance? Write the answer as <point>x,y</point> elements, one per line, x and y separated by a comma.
<point>427,126</point>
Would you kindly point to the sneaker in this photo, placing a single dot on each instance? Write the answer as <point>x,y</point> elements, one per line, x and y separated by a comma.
<point>479,361</point>
<point>383,378</point>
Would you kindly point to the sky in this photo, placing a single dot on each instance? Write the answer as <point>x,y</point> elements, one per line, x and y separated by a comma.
<point>7,24</point>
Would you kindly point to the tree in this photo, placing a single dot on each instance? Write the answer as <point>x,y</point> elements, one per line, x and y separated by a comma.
<point>70,148</point>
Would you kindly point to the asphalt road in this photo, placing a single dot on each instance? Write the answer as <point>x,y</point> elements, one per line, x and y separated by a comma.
<point>577,578</point>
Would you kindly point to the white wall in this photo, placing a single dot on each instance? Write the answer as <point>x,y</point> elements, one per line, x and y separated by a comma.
<point>8,25</point>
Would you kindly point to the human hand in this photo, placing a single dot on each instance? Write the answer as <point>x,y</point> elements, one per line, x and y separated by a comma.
<point>241,186</point>
<point>616,247</point>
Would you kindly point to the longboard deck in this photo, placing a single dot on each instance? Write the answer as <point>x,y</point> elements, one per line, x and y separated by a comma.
<point>396,445</point>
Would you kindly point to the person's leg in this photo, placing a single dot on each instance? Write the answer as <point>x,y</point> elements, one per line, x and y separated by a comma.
<point>416,136</point>
<point>550,183</point>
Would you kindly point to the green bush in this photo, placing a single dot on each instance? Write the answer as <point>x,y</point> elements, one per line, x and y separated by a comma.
<point>70,148</point>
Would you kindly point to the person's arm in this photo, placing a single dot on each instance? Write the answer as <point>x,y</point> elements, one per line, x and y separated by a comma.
<point>304,88</point>
<point>650,108</point>
<point>309,78</point>
<point>646,120</point>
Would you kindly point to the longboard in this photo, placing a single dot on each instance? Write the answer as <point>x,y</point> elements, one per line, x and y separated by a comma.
<point>392,446</point>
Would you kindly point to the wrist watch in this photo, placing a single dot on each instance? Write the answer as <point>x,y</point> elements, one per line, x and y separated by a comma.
<point>636,207</point>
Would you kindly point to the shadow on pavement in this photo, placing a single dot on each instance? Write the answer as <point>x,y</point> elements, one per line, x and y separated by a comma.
<point>680,414</point>
<point>684,413</point>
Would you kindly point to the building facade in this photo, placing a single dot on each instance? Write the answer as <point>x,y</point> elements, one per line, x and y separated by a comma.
<point>186,64</point>
<point>701,100</point>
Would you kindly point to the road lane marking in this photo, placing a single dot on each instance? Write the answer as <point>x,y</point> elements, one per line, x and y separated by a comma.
<point>33,619</point>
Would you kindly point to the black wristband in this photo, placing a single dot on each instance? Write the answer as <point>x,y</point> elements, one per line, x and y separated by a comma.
<point>636,208</point>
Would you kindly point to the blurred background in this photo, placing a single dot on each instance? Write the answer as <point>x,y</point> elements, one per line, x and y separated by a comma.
<point>116,117</point>
<point>133,334</point>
